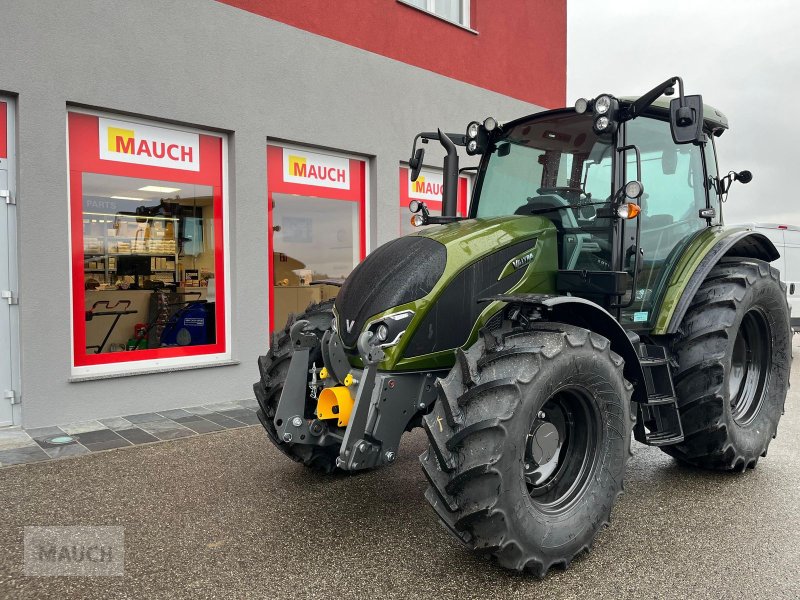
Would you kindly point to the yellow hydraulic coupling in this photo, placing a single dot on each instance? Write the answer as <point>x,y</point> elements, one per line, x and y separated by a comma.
<point>335,402</point>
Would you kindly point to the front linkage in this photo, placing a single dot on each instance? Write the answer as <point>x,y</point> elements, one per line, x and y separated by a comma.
<point>374,408</point>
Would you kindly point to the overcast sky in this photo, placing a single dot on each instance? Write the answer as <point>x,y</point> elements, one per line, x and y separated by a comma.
<point>742,56</point>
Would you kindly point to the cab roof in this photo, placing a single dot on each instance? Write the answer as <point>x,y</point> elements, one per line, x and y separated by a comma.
<point>714,119</point>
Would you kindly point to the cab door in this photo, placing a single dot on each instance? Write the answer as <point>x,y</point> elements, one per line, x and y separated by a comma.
<point>675,191</point>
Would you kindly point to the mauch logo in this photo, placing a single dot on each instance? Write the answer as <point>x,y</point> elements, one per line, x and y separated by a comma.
<point>428,186</point>
<point>309,168</point>
<point>81,550</point>
<point>123,141</point>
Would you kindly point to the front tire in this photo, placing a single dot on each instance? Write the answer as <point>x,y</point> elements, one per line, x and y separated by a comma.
<point>273,367</point>
<point>499,481</point>
<point>734,355</point>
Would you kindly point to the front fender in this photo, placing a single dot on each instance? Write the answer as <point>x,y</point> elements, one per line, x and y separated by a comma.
<point>588,315</point>
<point>696,262</point>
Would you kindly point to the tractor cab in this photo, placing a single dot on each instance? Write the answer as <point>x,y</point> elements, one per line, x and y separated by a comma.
<point>626,182</point>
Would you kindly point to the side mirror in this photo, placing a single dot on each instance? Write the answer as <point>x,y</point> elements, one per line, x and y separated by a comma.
<point>686,122</point>
<point>742,177</point>
<point>416,163</point>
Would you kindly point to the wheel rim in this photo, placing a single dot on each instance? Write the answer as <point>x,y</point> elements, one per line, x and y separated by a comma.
<point>561,449</point>
<point>751,360</point>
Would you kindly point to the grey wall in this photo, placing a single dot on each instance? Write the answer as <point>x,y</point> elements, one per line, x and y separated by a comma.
<point>206,64</point>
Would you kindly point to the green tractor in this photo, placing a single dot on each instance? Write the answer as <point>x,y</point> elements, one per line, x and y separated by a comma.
<point>593,294</point>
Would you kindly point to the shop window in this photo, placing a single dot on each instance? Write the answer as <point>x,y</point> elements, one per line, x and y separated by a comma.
<point>316,215</point>
<point>428,188</point>
<point>147,216</point>
<point>456,11</point>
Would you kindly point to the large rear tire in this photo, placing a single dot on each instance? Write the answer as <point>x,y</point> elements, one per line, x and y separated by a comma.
<point>733,351</point>
<point>528,444</point>
<point>273,368</point>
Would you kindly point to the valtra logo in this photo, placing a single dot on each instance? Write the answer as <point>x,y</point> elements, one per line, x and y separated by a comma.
<point>122,141</point>
<point>322,170</point>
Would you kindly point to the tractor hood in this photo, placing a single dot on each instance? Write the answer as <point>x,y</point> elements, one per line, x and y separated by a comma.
<point>436,277</point>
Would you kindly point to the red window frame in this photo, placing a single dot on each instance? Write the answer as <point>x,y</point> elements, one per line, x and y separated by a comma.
<point>84,157</point>
<point>3,130</point>
<point>277,185</point>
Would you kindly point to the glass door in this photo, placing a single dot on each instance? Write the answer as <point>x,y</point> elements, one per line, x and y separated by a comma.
<point>317,227</point>
<point>9,337</point>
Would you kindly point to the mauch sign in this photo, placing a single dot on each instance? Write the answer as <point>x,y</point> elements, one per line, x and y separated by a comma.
<point>310,168</point>
<point>123,141</point>
<point>428,186</point>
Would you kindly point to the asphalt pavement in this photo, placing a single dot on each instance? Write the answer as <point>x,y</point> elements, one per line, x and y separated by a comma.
<point>225,515</point>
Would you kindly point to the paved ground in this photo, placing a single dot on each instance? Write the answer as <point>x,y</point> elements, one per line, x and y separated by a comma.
<point>19,446</point>
<point>224,515</point>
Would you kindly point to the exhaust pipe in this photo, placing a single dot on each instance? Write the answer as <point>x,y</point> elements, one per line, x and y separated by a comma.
<point>450,184</point>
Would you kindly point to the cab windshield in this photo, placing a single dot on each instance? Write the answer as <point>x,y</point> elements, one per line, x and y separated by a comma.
<point>555,167</point>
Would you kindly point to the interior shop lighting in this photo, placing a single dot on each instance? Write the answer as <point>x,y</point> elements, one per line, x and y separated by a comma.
<point>159,189</point>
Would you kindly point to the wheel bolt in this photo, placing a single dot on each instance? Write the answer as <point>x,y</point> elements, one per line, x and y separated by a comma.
<point>297,421</point>
<point>541,414</point>
<point>287,437</point>
<point>389,456</point>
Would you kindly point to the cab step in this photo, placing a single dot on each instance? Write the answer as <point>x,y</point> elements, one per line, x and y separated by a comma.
<point>659,421</point>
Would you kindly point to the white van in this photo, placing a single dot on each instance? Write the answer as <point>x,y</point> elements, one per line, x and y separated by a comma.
<point>787,240</point>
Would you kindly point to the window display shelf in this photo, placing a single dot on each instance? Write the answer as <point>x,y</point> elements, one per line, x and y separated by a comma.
<point>105,246</point>
<point>138,254</point>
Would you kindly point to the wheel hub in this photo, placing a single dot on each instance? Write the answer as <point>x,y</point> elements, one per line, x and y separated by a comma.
<point>751,360</point>
<point>560,450</point>
<point>543,443</point>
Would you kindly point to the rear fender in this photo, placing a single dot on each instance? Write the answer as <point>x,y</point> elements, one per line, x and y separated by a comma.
<point>696,263</point>
<point>588,315</point>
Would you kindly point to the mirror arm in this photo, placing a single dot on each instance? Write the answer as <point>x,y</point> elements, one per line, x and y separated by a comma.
<point>639,106</point>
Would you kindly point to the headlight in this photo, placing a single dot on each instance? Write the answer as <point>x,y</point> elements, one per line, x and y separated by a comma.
<point>472,146</point>
<point>490,123</point>
<point>472,129</point>
<point>601,123</point>
<point>633,189</point>
<point>388,330</point>
<point>602,104</point>
<point>414,206</point>
<point>581,105</point>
